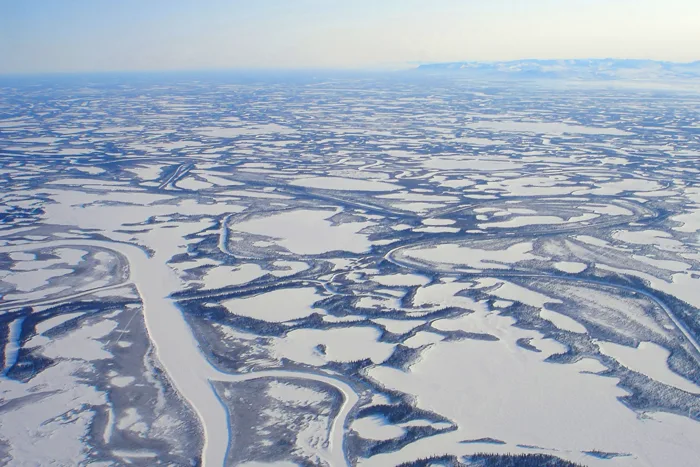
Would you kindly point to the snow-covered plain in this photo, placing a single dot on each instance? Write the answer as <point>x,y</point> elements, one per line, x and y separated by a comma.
<point>348,272</point>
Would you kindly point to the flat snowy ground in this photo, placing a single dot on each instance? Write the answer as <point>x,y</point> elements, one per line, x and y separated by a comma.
<point>348,272</point>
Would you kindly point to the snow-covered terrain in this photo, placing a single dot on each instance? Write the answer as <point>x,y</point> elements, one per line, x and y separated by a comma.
<point>413,270</point>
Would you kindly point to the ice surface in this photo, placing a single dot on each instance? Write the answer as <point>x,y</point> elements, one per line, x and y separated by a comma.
<point>562,321</point>
<point>308,232</point>
<point>344,184</point>
<point>191,183</point>
<point>233,132</point>
<point>473,164</point>
<point>649,359</point>
<point>55,321</point>
<point>473,257</point>
<point>276,306</point>
<point>548,396</point>
<point>401,280</point>
<point>340,344</point>
<point>572,267</point>
<point>551,128</point>
<point>225,276</point>
<point>523,221</point>
<point>376,428</point>
<point>288,268</point>
<point>438,221</point>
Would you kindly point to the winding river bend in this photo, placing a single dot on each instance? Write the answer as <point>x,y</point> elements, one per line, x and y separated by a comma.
<point>180,355</point>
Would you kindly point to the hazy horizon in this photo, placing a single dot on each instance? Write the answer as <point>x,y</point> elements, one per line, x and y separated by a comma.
<point>40,36</point>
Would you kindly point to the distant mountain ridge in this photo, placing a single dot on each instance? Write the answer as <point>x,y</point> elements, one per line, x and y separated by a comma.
<point>589,69</point>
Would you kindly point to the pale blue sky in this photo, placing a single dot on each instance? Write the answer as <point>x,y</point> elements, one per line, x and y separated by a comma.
<point>102,35</point>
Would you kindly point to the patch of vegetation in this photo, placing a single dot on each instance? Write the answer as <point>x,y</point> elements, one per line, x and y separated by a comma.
<point>517,460</point>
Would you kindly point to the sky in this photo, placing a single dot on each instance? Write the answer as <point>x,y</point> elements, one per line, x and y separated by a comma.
<point>39,36</point>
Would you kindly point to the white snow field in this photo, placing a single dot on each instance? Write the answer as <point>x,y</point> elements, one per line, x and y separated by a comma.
<point>473,391</point>
<point>276,306</point>
<point>376,428</point>
<point>308,232</point>
<point>649,359</point>
<point>473,257</point>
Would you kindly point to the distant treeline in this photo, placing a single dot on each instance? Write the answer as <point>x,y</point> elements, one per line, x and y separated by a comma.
<point>493,460</point>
